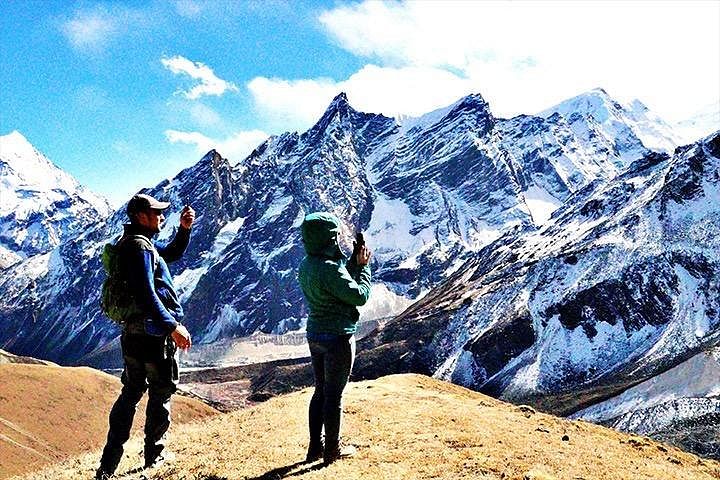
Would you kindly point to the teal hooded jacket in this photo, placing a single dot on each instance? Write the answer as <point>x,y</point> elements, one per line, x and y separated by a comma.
<point>333,287</point>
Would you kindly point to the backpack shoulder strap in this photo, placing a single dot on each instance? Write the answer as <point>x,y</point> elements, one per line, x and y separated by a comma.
<point>141,242</point>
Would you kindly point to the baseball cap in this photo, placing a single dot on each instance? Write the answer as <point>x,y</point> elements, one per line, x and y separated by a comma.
<point>142,202</point>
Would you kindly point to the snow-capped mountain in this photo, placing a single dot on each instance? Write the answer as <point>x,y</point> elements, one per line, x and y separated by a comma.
<point>680,406</point>
<point>51,305</point>
<point>40,204</point>
<point>428,193</point>
<point>704,122</point>
<point>631,129</point>
<point>621,285</point>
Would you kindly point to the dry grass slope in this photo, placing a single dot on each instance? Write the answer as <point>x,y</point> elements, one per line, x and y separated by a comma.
<point>408,427</point>
<point>49,413</point>
<point>7,357</point>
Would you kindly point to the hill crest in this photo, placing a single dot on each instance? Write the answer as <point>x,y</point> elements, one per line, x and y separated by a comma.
<point>408,427</point>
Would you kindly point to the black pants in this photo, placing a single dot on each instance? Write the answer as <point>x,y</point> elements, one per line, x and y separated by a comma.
<point>332,362</point>
<point>150,365</point>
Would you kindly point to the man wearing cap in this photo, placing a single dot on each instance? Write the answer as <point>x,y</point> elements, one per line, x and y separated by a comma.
<point>148,340</point>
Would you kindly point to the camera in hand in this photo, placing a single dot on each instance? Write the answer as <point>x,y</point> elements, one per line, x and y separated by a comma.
<point>357,244</point>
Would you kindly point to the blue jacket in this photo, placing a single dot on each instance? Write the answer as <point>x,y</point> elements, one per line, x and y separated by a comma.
<point>149,278</point>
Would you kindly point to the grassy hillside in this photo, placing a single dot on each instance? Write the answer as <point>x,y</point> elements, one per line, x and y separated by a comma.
<point>406,427</point>
<point>49,413</point>
<point>6,357</point>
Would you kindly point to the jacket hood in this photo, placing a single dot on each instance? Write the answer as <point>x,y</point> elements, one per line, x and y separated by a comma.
<point>319,234</point>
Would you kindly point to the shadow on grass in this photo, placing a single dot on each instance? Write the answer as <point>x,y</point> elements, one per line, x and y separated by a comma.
<point>200,476</point>
<point>133,471</point>
<point>287,471</point>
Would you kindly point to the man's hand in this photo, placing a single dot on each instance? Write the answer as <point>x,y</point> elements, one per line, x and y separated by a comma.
<point>364,255</point>
<point>181,337</point>
<point>187,217</point>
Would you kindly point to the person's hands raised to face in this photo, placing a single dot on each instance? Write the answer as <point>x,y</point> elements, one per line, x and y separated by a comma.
<point>364,255</point>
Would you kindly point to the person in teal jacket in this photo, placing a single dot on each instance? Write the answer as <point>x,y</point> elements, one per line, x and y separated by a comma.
<point>333,288</point>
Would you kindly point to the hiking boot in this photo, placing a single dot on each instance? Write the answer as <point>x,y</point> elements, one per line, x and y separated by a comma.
<point>314,453</point>
<point>341,451</point>
<point>102,474</point>
<point>164,457</point>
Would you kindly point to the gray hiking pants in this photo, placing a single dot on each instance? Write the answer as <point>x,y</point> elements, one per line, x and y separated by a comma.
<point>332,361</point>
<point>150,365</point>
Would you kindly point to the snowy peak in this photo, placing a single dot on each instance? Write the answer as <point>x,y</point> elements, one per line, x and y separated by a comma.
<point>638,106</point>
<point>471,113</point>
<point>338,110</point>
<point>472,103</point>
<point>703,122</point>
<point>471,106</point>
<point>631,130</point>
<point>340,116</point>
<point>212,162</point>
<point>692,178</point>
<point>28,167</point>
<point>15,146</point>
<point>15,142</point>
<point>616,288</point>
<point>596,103</point>
<point>41,204</point>
<point>340,102</point>
<point>339,106</point>
<point>209,187</point>
<point>210,156</point>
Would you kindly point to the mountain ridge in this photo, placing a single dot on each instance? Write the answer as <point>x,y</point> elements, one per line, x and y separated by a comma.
<point>566,251</point>
<point>427,196</point>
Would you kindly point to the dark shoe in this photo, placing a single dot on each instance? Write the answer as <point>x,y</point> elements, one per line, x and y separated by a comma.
<point>102,474</point>
<point>341,451</point>
<point>314,453</point>
<point>164,457</point>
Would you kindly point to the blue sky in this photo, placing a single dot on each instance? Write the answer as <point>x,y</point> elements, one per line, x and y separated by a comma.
<point>125,94</point>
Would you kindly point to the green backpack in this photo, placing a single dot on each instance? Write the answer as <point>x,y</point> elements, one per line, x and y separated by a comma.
<point>116,302</point>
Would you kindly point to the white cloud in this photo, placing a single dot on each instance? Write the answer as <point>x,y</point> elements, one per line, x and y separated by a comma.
<point>404,91</point>
<point>296,105</point>
<point>90,31</point>
<point>415,33</point>
<point>291,104</point>
<point>210,84</point>
<point>235,148</point>
<point>524,56</point>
